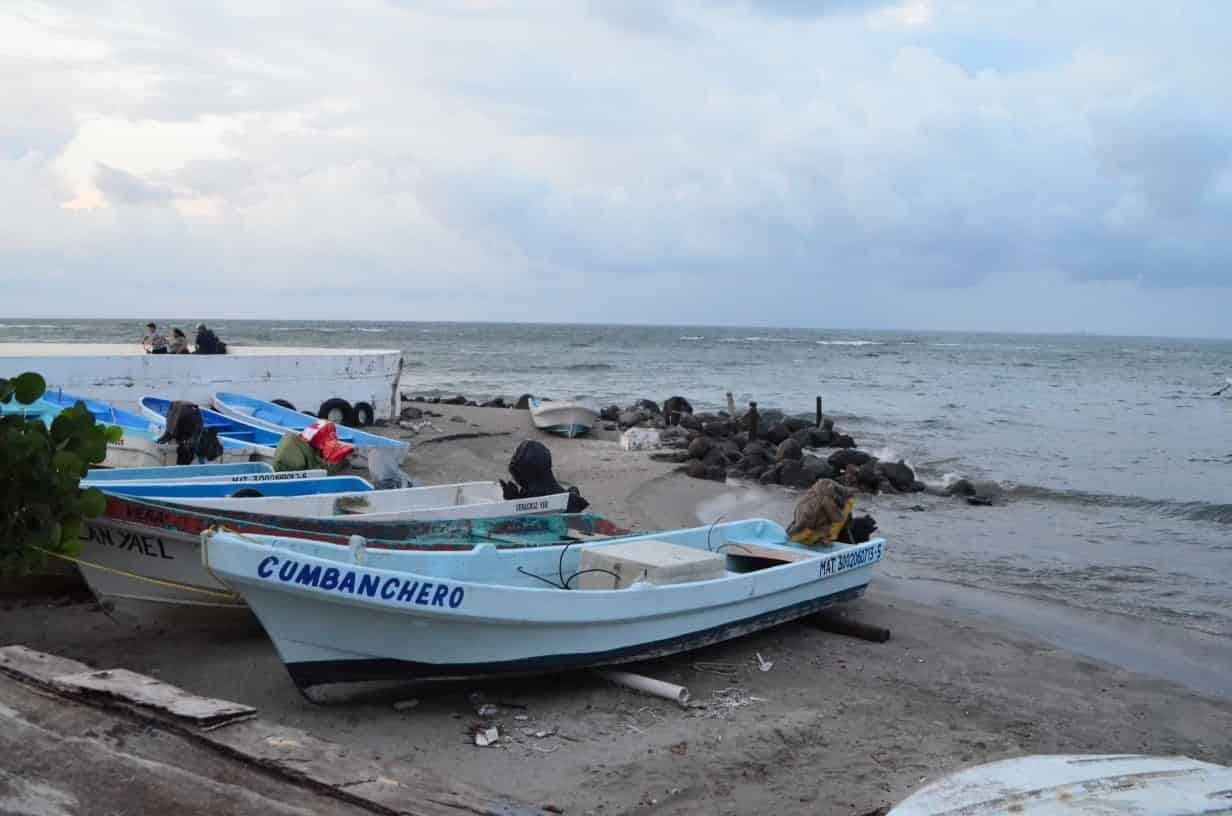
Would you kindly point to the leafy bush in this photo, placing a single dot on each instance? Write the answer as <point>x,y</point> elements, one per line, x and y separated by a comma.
<point>41,503</point>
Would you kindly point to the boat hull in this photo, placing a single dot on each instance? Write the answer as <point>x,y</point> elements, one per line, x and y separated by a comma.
<point>150,552</point>
<point>563,419</point>
<point>436,621</point>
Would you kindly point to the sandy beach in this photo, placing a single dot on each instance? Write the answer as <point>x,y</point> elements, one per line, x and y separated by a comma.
<point>835,725</point>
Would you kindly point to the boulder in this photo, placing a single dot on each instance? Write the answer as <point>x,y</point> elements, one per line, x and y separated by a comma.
<point>839,460</point>
<point>769,416</point>
<point>987,489</point>
<point>900,475</point>
<point>774,433</point>
<point>630,418</point>
<point>741,438</point>
<point>646,405</point>
<point>769,476</point>
<point>674,437</point>
<point>791,474</point>
<point>715,458</point>
<point>730,451</point>
<point>699,447</point>
<point>816,468</point>
<point>819,438</point>
<point>867,478</point>
<point>788,449</point>
<point>458,400</point>
<point>827,424</point>
<point>716,473</point>
<point>691,422</point>
<point>757,448</point>
<point>842,441</point>
<point>410,412</point>
<point>705,417</point>
<point>795,424</point>
<point>676,407</point>
<point>499,402</point>
<point>608,414</point>
<point>804,436</point>
<point>719,428</point>
<point>523,402</point>
<point>676,456</point>
<point>696,468</point>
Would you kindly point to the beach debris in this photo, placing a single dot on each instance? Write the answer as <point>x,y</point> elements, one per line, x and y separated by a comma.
<point>487,711</point>
<point>550,808</point>
<point>722,669</point>
<point>763,664</point>
<point>648,685</point>
<point>456,418</point>
<point>726,700</point>
<point>679,748</point>
<point>639,439</point>
<point>539,733</point>
<point>487,737</point>
<point>521,717</point>
<point>405,705</point>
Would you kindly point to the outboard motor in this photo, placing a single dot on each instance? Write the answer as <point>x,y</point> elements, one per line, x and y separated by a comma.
<point>531,469</point>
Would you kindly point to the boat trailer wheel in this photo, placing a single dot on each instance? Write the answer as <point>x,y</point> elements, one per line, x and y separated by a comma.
<point>364,415</point>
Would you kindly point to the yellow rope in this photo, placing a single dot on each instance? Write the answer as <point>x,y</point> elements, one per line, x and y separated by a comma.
<point>214,593</point>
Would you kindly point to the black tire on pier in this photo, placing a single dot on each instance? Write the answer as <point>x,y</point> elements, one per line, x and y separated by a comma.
<point>337,411</point>
<point>364,415</point>
<point>283,403</point>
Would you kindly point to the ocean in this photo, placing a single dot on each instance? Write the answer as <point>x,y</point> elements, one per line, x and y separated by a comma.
<point>1116,459</point>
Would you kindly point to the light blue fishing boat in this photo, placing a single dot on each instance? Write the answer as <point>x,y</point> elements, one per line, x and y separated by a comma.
<point>282,420</point>
<point>344,614</point>
<point>40,410</point>
<point>178,473</point>
<point>209,490</point>
<point>246,473</point>
<point>261,440</point>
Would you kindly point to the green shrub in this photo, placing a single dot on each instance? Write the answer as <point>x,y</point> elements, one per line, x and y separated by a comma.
<point>41,503</point>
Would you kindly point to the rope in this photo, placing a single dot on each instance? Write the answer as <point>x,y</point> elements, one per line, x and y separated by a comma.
<point>214,593</point>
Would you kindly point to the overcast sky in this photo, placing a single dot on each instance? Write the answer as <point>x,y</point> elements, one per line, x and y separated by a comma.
<point>1033,165</point>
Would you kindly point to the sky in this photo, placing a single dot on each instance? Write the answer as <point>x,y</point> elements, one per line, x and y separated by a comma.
<point>1023,165</point>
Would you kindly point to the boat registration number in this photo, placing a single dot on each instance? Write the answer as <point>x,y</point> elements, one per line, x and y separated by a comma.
<point>851,559</point>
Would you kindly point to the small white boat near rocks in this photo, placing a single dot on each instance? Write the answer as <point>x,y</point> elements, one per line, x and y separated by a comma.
<point>346,614</point>
<point>563,417</point>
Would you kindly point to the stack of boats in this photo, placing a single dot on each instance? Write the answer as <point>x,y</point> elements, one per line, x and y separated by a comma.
<point>354,583</point>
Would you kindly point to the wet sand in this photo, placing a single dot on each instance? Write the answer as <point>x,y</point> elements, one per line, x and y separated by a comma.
<point>835,726</point>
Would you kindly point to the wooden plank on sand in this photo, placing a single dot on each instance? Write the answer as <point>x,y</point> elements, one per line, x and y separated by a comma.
<point>350,774</point>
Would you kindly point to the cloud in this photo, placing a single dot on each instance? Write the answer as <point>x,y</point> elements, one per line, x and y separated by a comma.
<point>744,160</point>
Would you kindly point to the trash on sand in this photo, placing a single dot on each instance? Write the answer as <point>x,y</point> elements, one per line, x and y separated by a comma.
<point>487,736</point>
<point>487,711</point>
<point>521,717</point>
<point>726,700</point>
<point>725,669</point>
<point>531,732</point>
<point>763,664</point>
<point>648,685</point>
<point>405,705</point>
<point>680,748</point>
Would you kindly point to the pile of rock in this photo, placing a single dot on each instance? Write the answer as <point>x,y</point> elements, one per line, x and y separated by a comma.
<point>498,402</point>
<point>781,451</point>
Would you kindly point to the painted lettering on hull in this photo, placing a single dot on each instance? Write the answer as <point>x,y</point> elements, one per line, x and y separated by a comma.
<point>349,582</point>
<point>852,559</point>
<point>149,546</point>
<point>530,506</point>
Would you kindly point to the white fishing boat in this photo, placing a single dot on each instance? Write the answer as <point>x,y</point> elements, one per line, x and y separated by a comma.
<point>563,417</point>
<point>343,614</point>
<point>144,548</point>
<point>462,500</point>
<point>1053,785</point>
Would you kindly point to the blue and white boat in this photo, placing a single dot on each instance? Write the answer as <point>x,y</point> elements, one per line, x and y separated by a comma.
<point>188,491</point>
<point>179,473</point>
<point>235,473</point>
<point>138,447</point>
<point>562,417</point>
<point>40,410</point>
<point>261,442</point>
<point>345,614</point>
<point>279,419</point>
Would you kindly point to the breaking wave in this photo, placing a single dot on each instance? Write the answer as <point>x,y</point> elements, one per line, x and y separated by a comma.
<point>850,343</point>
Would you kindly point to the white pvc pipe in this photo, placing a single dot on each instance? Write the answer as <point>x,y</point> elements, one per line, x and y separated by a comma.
<point>648,685</point>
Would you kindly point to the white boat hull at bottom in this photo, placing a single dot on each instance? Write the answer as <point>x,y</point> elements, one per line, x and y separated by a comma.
<point>340,617</point>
